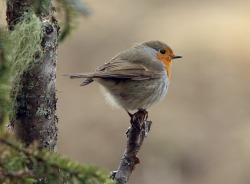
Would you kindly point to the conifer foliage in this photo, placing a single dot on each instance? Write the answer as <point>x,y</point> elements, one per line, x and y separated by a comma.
<point>30,41</point>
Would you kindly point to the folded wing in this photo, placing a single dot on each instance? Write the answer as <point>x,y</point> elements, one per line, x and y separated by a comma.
<point>119,69</point>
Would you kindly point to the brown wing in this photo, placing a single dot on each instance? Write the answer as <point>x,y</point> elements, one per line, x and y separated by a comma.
<point>120,69</point>
<point>125,70</point>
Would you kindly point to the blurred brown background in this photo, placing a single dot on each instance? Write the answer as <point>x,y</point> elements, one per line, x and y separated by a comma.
<point>201,130</point>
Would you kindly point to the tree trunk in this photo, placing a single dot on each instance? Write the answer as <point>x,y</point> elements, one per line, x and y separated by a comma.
<point>34,116</point>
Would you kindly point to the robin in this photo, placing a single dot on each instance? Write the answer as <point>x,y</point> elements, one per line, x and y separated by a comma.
<point>136,78</point>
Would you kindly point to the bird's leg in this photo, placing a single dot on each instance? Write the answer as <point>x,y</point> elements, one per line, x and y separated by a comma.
<point>142,116</point>
<point>138,119</point>
<point>130,115</point>
<point>144,113</point>
<point>145,124</point>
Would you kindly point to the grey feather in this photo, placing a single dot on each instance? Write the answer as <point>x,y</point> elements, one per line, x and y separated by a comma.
<point>121,68</point>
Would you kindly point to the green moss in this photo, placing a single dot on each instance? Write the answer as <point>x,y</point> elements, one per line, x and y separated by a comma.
<point>4,79</point>
<point>26,48</point>
<point>25,42</point>
<point>41,7</point>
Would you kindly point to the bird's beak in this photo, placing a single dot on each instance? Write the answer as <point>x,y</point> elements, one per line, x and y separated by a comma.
<point>176,56</point>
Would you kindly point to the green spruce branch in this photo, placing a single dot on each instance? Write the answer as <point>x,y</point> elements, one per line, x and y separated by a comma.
<point>15,161</point>
<point>69,10</point>
<point>20,50</point>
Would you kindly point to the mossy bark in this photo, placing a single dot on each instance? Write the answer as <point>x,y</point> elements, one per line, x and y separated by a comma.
<point>34,116</point>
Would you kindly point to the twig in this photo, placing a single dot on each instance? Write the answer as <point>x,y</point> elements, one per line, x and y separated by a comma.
<point>136,134</point>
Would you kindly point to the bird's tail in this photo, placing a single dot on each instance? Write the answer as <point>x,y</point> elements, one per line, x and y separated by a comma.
<point>80,75</point>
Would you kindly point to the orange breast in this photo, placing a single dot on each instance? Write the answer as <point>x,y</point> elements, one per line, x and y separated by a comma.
<point>166,61</point>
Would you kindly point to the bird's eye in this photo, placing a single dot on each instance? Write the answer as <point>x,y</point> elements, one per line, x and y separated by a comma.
<point>162,51</point>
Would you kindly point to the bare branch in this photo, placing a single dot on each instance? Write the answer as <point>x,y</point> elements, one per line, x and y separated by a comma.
<point>136,134</point>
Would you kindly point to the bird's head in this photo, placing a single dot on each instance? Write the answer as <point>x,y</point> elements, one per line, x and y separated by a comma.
<point>163,52</point>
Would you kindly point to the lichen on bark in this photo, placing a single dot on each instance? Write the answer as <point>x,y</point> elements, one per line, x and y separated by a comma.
<point>34,35</point>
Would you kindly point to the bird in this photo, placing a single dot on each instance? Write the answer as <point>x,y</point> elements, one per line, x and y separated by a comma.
<point>136,78</point>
